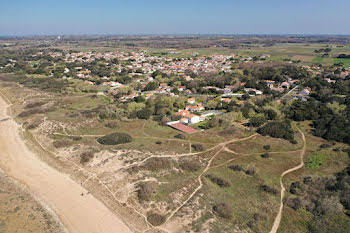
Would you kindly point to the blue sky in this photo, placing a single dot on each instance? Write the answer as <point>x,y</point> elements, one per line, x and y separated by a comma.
<point>63,17</point>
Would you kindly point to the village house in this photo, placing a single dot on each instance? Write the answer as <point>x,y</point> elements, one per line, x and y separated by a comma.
<point>191,100</point>
<point>195,108</point>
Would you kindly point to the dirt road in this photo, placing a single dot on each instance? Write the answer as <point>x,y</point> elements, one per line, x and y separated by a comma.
<point>278,218</point>
<point>56,190</point>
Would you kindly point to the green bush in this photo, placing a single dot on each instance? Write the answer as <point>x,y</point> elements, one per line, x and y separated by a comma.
<point>278,129</point>
<point>115,139</point>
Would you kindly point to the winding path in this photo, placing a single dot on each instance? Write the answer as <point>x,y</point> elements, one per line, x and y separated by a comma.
<point>278,218</point>
<point>80,214</point>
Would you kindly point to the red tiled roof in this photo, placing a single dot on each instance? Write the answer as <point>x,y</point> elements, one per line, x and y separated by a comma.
<point>183,128</point>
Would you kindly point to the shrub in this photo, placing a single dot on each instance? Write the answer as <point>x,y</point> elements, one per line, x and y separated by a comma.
<point>34,124</point>
<point>191,165</point>
<point>155,219</point>
<point>155,164</point>
<point>267,147</point>
<point>112,125</point>
<point>75,138</point>
<point>61,143</point>
<point>35,104</point>
<point>145,190</point>
<point>325,145</point>
<point>228,131</point>
<point>236,167</point>
<point>268,189</point>
<point>265,155</point>
<point>223,210</point>
<point>198,147</point>
<point>219,181</point>
<point>115,139</point>
<point>180,136</point>
<point>85,157</point>
<point>250,171</point>
<point>294,203</point>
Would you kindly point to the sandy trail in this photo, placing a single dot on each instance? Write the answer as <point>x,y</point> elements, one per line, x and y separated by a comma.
<point>278,218</point>
<point>56,190</point>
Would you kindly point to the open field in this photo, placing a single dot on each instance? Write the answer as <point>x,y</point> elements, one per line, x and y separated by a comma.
<point>178,193</point>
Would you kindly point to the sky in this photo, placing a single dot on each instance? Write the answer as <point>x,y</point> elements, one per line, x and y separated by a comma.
<point>115,17</point>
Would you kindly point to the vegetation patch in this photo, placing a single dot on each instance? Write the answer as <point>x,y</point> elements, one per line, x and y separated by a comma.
<point>315,161</point>
<point>61,143</point>
<point>85,157</point>
<point>155,219</point>
<point>145,190</point>
<point>198,147</point>
<point>219,181</point>
<point>115,139</point>
<point>268,189</point>
<point>278,129</point>
<point>223,210</point>
<point>190,165</point>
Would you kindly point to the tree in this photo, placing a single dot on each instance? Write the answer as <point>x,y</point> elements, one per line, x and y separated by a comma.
<point>152,86</point>
<point>144,113</point>
<point>257,121</point>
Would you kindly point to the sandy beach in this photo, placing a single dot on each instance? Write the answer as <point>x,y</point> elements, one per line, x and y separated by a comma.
<point>54,189</point>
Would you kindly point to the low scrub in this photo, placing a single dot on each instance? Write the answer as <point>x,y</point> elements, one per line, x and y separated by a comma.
<point>114,139</point>
<point>112,125</point>
<point>145,191</point>
<point>198,147</point>
<point>35,104</point>
<point>85,157</point>
<point>223,210</point>
<point>180,136</point>
<point>268,189</point>
<point>190,165</point>
<point>155,219</point>
<point>231,130</point>
<point>155,164</point>
<point>265,155</point>
<point>61,143</point>
<point>219,181</point>
<point>236,167</point>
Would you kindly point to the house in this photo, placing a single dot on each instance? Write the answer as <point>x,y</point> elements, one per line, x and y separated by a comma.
<point>188,91</point>
<point>305,91</point>
<point>191,100</point>
<point>226,100</point>
<point>285,85</point>
<point>211,113</point>
<point>182,112</point>
<point>257,92</point>
<point>270,83</point>
<point>181,88</point>
<point>330,80</point>
<point>279,89</point>
<point>192,118</point>
<point>112,84</point>
<point>181,127</point>
<point>196,108</point>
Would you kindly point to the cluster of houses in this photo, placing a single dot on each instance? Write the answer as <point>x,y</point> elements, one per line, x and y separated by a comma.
<point>142,63</point>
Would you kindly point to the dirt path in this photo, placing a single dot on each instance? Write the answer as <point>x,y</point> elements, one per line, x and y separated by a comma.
<point>77,213</point>
<point>278,218</point>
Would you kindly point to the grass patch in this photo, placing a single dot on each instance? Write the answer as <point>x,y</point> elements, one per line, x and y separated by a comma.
<point>315,161</point>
